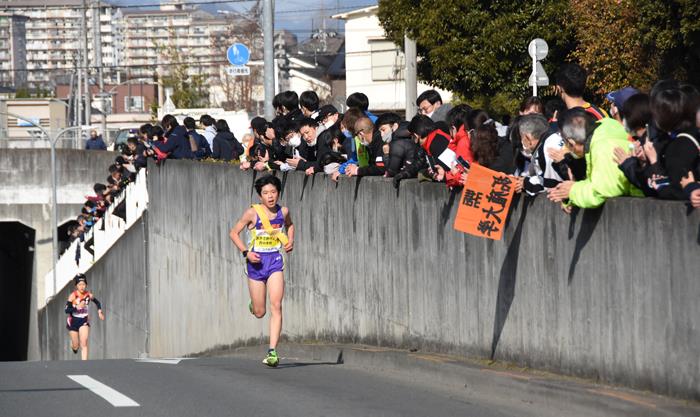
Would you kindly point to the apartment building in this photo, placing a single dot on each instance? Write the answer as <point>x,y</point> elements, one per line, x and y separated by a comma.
<point>13,55</point>
<point>53,31</point>
<point>143,39</point>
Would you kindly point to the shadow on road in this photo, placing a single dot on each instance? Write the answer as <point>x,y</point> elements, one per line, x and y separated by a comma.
<point>300,364</point>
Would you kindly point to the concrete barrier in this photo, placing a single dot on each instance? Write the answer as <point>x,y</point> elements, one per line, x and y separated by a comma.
<point>119,281</point>
<point>610,294</point>
<point>25,195</point>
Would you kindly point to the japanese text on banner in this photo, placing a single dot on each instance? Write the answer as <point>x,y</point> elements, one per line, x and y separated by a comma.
<point>485,203</point>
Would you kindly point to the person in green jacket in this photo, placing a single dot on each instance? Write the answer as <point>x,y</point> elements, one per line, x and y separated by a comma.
<point>596,141</point>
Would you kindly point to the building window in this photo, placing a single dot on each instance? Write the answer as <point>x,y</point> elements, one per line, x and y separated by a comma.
<point>387,61</point>
<point>136,103</point>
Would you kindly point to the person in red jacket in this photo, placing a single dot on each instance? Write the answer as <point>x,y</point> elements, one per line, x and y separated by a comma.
<point>436,143</point>
<point>461,144</point>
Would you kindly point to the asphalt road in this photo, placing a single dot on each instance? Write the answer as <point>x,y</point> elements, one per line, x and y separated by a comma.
<point>241,386</point>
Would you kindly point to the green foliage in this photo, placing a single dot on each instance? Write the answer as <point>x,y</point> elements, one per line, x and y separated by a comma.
<point>478,49</point>
<point>22,93</point>
<point>636,42</point>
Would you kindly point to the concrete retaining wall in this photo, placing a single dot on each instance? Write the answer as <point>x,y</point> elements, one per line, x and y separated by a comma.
<point>25,193</point>
<point>119,281</point>
<point>610,293</point>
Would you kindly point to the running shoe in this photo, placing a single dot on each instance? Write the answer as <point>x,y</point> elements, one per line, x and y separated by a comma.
<point>271,359</point>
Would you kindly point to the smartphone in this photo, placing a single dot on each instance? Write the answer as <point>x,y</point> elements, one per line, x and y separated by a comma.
<point>463,162</point>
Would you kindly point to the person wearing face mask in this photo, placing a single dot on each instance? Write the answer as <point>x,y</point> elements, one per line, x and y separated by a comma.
<point>326,117</point>
<point>310,148</point>
<point>372,141</point>
<point>332,154</point>
<point>537,173</point>
<point>402,147</point>
<point>617,101</point>
<point>632,161</point>
<point>595,141</point>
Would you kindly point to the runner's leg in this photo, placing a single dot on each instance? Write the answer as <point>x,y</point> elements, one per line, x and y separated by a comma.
<point>84,333</point>
<point>275,286</point>
<point>257,296</point>
<point>74,343</point>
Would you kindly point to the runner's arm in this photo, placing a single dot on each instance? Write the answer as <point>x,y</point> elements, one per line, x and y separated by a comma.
<point>97,303</point>
<point>69,304</point>
<point>247,219</point>
<point>289,225</point>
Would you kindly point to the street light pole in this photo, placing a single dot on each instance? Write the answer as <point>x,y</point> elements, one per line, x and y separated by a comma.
<point>411,78</point>
<point>54,211</point>
<point>97,49</point>
<point>54,206</point>
<point>268,57</point>
<point>84,47</point>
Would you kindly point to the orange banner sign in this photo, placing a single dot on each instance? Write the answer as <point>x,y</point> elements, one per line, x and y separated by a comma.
<point>485,203</point>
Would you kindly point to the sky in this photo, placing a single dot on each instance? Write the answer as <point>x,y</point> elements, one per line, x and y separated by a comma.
<point>297,16</point>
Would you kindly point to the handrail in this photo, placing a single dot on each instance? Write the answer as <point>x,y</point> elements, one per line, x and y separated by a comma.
<point>103,234</point>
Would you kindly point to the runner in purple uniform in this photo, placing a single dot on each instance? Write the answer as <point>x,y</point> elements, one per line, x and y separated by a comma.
<point>266,223</point>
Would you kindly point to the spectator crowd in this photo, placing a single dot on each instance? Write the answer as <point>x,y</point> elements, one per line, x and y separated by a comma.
<point>578,154</point>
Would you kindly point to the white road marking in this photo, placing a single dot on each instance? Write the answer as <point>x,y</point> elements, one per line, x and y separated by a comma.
<point>112,396</point>
<point>168,361</point>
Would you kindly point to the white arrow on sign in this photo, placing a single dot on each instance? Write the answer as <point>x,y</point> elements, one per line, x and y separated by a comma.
<point>540,75</point>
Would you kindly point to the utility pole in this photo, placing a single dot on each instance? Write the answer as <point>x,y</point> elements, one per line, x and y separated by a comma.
<point>97,48</point>
<point>269,57</point>
<point>79,85</point>
<point>84,47</point>
<point>411,77</point>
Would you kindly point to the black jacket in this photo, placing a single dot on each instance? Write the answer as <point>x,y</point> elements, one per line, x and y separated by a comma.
<point>376,158</point>
<point>402,150</point>
<point>178,144</point>
<point>308,155</point>
<point>680,156</point>
<point>226,147</point>
<point>504,161</point>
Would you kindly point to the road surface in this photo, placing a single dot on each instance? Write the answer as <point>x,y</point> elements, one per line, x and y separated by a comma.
<point>239,385</point>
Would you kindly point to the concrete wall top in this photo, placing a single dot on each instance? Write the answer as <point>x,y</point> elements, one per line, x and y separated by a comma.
<point>26,174</point>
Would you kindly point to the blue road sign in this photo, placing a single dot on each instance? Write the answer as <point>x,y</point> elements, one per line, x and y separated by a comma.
<point>238,54</point>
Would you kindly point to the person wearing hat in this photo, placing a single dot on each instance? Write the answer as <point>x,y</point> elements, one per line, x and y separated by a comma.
<point>77,322</point>
<point>617,100</point>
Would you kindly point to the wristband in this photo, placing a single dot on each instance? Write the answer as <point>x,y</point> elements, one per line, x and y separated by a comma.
<point>245,253</point>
